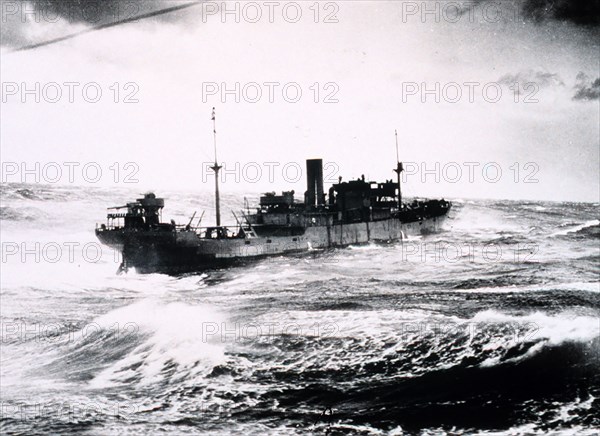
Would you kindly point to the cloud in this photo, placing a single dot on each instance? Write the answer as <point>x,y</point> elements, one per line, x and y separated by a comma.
<point>585,12</point>
<point>579,12</point>
<point>541,78</point>
<point>529,82</point>
<point>32,22</point>
<point>586,89</point>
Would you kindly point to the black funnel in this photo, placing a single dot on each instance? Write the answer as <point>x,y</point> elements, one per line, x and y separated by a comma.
<point>314,182</point>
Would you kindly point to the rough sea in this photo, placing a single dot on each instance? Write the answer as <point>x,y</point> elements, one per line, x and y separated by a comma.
<point>491,327</point>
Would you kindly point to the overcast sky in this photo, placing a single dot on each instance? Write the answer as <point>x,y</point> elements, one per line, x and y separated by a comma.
<point>373,57</point>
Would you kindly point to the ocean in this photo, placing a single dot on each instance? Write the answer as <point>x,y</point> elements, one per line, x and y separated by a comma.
<point>491,327</point>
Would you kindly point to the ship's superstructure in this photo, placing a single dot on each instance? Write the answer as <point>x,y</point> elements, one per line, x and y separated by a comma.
<point>351,212</point>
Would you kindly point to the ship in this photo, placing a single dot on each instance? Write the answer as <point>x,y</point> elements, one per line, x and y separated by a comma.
<point>352,212</point>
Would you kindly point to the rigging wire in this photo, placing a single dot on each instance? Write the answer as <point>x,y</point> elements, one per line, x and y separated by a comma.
<point>107,25</point>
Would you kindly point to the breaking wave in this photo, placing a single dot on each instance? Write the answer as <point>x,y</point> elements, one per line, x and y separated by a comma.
<point>373,339</point>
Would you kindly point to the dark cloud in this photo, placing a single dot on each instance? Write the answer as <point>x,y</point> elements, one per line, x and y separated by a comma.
<point>90,11</point>
<point>585,89</point>
<point>20,16</point>
<point>581,12</point>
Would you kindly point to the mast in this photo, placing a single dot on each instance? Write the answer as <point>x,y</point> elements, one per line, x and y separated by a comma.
<point>216,169</point>
<point>398,170</point>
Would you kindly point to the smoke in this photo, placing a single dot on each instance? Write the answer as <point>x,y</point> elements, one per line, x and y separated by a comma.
<point>586,89</point>
<point>27,23</point>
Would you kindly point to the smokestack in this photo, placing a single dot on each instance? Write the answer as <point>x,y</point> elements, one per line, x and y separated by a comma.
<point>314,182</point>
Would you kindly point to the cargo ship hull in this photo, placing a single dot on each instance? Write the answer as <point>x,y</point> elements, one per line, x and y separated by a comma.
<point>352,212</point>
<point>181,251</point>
